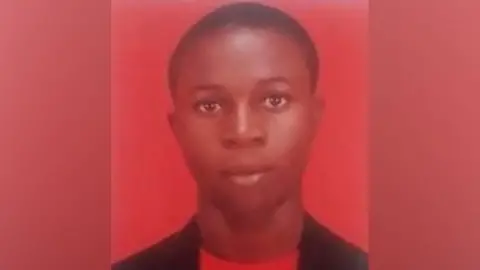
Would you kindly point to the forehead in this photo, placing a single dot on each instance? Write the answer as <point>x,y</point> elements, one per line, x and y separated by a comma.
<point>240,56</point>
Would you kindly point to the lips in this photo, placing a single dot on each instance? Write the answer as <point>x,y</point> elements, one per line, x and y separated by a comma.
<point>245,175</point>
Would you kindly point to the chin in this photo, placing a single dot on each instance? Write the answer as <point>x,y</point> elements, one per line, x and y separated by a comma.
<point>248,209</point>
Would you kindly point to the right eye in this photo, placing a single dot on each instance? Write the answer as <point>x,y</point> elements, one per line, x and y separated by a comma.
<point>208,106</point>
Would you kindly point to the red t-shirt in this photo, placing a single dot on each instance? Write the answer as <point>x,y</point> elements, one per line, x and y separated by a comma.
<point>210,262</point>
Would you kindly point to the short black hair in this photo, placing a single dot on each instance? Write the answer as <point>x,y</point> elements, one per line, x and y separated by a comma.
<point>249,15</point>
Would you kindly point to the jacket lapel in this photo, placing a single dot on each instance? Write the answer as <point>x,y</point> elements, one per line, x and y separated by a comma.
<point>186,253</point>
<point>314,255</point>
<point>310,257</point>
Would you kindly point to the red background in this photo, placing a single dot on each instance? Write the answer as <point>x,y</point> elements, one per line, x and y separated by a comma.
<point>152,193</point>
<point>55,134</point>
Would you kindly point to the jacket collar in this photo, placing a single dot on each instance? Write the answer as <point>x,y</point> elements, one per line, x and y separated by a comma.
<point>189,243</point>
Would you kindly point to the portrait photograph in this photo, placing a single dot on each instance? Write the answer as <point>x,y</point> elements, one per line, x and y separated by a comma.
<point>239,135</point>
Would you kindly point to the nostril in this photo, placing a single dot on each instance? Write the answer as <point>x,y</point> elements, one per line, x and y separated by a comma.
<point>229,143</point>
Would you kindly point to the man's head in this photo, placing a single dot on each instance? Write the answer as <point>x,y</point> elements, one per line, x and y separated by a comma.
<point>242,82</point>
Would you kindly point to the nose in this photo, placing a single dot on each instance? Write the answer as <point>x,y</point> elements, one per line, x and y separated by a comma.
<point>244,129</point>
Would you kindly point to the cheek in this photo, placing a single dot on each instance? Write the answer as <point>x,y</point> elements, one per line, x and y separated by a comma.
<point>197,140</point>
<point>290,134</point>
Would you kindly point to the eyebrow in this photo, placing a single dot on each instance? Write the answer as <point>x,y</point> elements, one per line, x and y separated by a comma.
<point>209,87</point>
<point>219,87</point>
<point>277,79</point>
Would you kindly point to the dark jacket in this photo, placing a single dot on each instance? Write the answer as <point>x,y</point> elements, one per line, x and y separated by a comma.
<point>320,249</point>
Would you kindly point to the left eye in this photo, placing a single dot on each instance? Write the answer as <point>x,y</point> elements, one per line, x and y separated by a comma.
<point>274,102</point>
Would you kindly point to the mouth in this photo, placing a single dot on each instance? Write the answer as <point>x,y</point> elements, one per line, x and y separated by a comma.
<point>245,176</point>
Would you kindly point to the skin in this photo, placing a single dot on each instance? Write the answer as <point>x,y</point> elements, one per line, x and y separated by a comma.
<point>245,117</point>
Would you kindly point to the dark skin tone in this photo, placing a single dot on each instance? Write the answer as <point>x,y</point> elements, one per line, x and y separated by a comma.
<point>245,117</point>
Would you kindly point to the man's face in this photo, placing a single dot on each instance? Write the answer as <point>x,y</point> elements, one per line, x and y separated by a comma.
<point>245,117</point>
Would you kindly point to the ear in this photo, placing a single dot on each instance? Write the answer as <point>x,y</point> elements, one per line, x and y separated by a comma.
<point>318,108</point>
<point>172,122</point>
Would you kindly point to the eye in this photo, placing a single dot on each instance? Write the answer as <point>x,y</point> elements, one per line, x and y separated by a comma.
<point>208,106</point>
<point>275,102</point>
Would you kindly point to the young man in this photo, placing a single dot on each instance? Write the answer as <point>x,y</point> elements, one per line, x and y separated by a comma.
<point>243,82</point>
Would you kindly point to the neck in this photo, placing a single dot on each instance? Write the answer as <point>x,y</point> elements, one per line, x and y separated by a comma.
<point>276,234</point>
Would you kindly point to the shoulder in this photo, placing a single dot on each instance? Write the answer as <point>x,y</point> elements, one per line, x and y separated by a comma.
<point>324,249</point>
<point>153,257</point>
<point>172,252</point>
